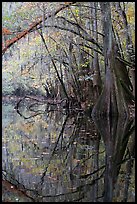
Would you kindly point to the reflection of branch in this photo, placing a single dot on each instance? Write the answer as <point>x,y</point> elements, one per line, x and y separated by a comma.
<point>18,106</point>
<point>39,102</point>
<point>72,137</point>
<point>61,133</point>
<point>32,142</point>
<point>29,116</point>
<point>62,130</point>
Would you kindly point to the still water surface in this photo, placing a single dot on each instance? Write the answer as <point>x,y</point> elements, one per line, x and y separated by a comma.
<point>55,157</point>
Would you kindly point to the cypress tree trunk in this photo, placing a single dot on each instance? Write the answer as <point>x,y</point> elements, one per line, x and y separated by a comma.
<point>113,99</point>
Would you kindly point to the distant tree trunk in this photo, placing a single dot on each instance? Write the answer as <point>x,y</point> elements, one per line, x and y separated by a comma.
<point>114,98</point>
<point>96,69</point>
<point>54,65</point>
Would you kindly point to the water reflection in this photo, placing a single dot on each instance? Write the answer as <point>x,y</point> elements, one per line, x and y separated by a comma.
<point>116,133</point>
<point>54,157</point>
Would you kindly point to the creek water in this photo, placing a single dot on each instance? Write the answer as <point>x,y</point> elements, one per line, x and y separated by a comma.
<point>56,157</point>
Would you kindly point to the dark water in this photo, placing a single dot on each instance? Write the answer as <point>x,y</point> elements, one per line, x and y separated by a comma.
<point>55,157</point>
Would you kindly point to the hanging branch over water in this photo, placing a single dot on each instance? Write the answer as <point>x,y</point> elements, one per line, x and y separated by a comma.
<point>32,27</point>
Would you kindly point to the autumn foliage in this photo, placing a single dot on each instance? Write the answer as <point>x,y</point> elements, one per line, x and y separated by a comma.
<point>5,31</point>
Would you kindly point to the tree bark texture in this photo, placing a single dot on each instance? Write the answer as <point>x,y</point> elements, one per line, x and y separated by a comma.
<point>114,99</point>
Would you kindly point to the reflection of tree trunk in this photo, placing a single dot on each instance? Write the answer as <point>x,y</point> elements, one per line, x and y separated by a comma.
<point>115,133</point>
<point>129,167</point>
<point>127,180</point>
<point>96,167</point>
